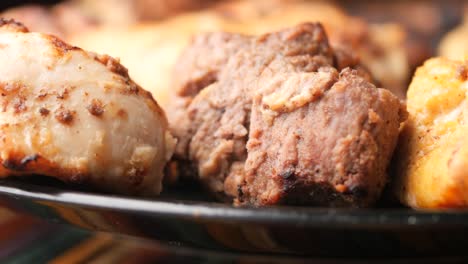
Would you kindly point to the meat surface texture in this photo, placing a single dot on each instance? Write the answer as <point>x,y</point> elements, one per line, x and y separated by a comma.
<point>283,118</point>
<point>77,116</point>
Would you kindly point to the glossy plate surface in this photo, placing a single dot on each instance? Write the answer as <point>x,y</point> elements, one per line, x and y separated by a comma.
<point>185,218</point>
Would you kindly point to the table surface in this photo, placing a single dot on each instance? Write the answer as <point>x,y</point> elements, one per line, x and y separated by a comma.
<point>26,239</point>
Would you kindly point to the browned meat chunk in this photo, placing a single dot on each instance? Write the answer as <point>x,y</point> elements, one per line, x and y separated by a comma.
<point>271,120</point>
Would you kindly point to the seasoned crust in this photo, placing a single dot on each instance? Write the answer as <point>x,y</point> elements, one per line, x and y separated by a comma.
<point>210,53</point>
<point>52,121</point>
<point>253,132</point>
<point>324,144</point>
<point>96,107</point>
<point>12,25</point>
<point>20,164</point>
<point>433,151</point>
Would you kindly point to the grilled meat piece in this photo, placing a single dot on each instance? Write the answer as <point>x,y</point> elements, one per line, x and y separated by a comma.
<point>274,119</point>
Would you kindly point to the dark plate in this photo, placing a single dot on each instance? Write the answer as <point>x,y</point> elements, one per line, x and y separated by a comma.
<point>194,222</point>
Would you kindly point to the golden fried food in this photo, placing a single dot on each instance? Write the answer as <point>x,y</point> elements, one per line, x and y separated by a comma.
<point>77,116</point>
<point>433,153</point>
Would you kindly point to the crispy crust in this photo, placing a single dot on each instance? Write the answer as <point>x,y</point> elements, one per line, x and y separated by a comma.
<point>433,150</point>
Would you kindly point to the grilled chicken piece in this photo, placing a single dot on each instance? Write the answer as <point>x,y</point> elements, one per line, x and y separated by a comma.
<point>77,116</point>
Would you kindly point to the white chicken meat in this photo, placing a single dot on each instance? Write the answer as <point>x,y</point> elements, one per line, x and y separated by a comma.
<point>77,116</point>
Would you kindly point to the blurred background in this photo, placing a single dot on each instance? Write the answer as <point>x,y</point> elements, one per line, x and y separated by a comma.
<point>392,38</point>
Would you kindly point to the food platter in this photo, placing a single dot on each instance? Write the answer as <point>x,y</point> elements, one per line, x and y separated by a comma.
<point>301,114</point>
<point>195,221</point>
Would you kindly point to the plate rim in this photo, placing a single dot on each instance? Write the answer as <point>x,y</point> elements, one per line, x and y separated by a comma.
<point>369,218</point>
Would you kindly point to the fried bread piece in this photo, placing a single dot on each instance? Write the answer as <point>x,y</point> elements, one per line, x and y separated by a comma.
<point>433,149</point>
